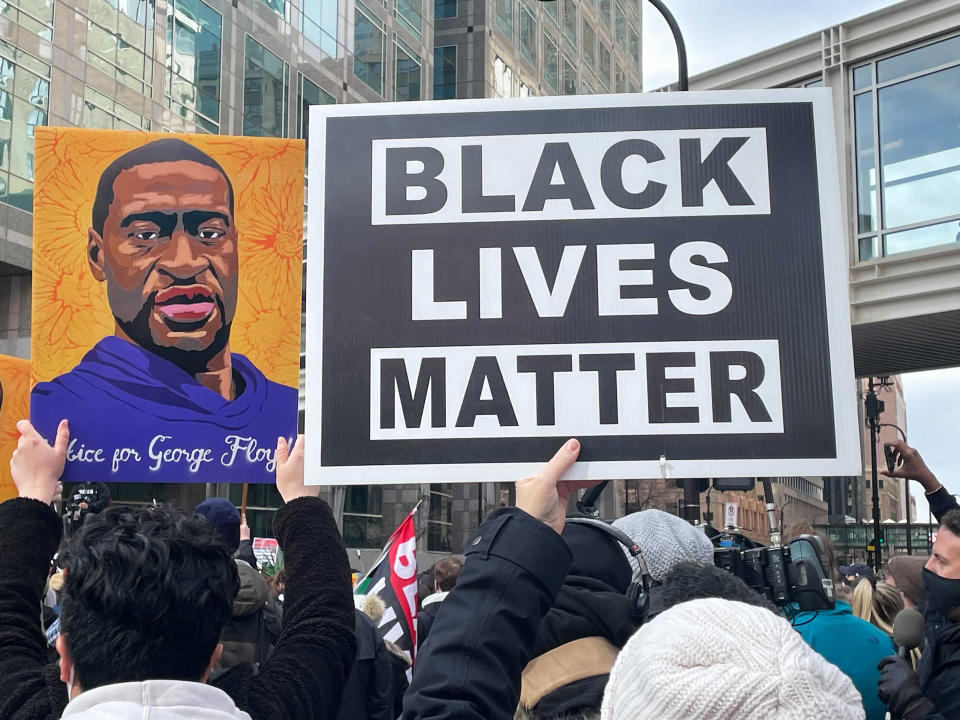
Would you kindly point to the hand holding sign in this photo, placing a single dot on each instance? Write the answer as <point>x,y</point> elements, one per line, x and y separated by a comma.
<point>290,471</point>
<point>35,466</point>
<point>545,495</point>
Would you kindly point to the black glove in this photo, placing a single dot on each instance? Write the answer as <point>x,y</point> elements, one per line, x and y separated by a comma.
<point>899,688</point>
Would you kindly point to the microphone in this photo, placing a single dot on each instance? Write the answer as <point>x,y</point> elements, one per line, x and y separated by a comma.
<point>908,629</point>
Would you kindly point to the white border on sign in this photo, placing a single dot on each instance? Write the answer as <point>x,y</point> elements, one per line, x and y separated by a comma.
<point>847,461</point>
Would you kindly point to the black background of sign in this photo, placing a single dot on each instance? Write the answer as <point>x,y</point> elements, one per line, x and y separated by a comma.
<point>775,266</point>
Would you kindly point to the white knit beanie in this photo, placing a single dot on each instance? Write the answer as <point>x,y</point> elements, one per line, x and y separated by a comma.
<point>721,659</point>
<point>665,541</point>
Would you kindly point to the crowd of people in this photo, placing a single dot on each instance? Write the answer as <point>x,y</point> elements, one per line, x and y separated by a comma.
<point>156,613</point>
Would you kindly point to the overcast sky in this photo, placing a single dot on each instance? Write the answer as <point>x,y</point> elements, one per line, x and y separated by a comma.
<point>718,32</point>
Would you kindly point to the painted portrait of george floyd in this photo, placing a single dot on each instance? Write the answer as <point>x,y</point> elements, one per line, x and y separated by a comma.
<point>14,406</point>
<point>166,302</point>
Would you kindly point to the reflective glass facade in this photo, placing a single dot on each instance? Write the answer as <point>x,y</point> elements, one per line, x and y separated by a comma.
<point>194,39</point>
<point>907,148</point>
<point>24,99</point>
<point>265,88</point>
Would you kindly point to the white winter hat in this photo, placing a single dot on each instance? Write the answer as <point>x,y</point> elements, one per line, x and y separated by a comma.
<point>721,659</point>
<point>665,541</point>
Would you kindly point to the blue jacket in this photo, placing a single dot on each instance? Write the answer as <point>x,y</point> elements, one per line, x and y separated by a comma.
<point>853,645</point>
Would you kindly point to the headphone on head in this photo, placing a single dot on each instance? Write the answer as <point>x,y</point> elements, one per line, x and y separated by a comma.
<point>638,592</point>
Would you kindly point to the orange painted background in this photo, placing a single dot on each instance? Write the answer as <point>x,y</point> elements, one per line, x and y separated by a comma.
<point>70,310</point>
<point>15,378</point>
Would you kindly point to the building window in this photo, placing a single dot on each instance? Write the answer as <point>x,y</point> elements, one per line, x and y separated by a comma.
<point>619,80</point>
<point>318,23</point>
<point>502,79</point>
<point>528,34</point>
<point>551,62</point>
<point>603,10</point>
<point>443,9</point>
<point>634,39</point>
<point>569,77</point>
<point>915,156</point>
<point>368,48</point>
<point>193,63</point>
<point>100,111</point>
<point>620,31</point>
<point>409,14</point>
<point>603,66</point>
<point>24,100</point>
<point>120,39</point>
<point>309,93</point>
<point>33,15</point>
<point>407,73</point>
<point>363,516</point>
<point>504,12</point>
<point>551,8</point>
<point>265,88</point>
<point>440,519</point>
<point>276,5</point>
<point>589,43</point>
<point>569,20</point>
<point>587,88</point>
<point>445,72</point>
<point>525,91</point>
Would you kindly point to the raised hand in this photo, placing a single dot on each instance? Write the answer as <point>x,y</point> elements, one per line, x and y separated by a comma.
<point>912,466</point>
<point>244,528</point>
<point>290,471</point>
<point>545,495</point>
<point>36,467</point>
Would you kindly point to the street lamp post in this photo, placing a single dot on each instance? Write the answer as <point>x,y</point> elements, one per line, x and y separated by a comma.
<point>783,524</point>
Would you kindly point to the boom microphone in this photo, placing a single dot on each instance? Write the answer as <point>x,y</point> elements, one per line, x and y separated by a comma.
<point>908,629</point>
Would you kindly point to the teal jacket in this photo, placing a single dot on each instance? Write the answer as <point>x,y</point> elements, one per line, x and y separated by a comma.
<point>853,645</point>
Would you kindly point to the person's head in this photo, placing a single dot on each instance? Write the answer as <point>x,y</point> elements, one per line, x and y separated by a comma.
<point>693,581</point>
<point>445,573</point>
<point>164,240</point>
<point>852,574</point>
<point>877,603</point>
<point>425,586</point>
<point>665,541</point>
<point>597,559</point>
<point>905,573</point>
<point>224,517</point>
<point>524,713</point>
<point>941,575</point>
<point>147,592</point>
<point>726,659</point>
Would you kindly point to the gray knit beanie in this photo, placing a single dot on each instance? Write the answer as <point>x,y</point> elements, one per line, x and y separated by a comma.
<point>665,541</point>
<point>718,658</point>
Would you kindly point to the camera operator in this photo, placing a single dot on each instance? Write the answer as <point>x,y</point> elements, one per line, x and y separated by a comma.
<point>933,691</point>
<point>86,498</point>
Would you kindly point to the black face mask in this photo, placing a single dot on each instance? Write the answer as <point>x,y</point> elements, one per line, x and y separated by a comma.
<point>943,594</point>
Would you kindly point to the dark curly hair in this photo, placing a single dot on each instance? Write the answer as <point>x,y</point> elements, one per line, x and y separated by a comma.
<point>147,593</point>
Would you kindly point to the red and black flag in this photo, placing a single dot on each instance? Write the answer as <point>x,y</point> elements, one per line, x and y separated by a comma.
<point>394,579</point>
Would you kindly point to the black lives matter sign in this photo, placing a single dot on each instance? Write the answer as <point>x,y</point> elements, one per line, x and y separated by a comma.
<point>662,277</point>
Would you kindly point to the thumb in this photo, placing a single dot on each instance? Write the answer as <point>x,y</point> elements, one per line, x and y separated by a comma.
<point>561,462</point>
<point>283,451</point>
<point>63,437</point>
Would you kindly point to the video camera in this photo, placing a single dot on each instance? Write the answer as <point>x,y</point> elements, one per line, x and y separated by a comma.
<point>785,575</point>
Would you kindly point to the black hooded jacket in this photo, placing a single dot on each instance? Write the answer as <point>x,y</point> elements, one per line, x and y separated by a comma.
<point>591,603</point>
